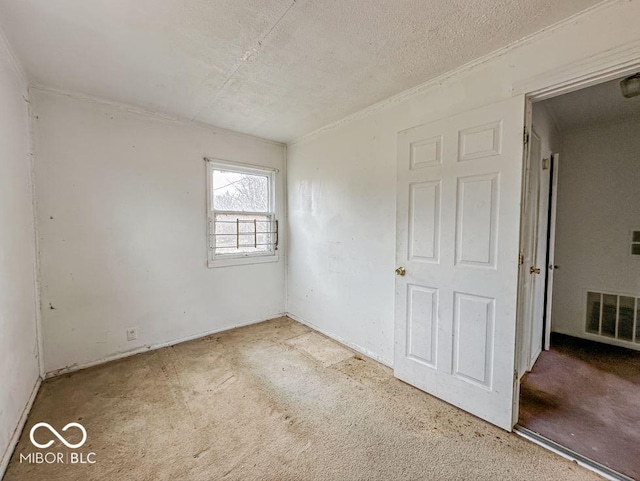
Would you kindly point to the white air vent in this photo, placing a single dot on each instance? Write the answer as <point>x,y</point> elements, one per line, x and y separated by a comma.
<point>635,243</point>
<point>612,315</point>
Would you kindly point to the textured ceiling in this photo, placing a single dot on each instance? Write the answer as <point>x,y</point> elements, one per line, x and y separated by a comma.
<point>273,68</point>
<point>599,104</point>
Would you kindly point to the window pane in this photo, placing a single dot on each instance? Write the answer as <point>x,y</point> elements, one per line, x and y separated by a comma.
<point>593,312</point>
<point>609,308</point>
<point>625,318</point>
<point>638,320</point>
<point>244,233</point>
<point>240,192</point>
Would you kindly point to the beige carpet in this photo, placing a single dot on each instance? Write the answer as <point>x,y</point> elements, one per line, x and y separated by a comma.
<point>273,401</point>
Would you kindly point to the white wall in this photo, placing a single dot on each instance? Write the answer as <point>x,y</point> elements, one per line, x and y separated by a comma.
<point>122,226</point>
<point>544,126</point>
<point>341,180</point>
<point>598,207</point>
<point>19,369</point>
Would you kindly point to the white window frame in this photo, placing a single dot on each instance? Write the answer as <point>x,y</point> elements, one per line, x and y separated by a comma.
<point>238,258</point>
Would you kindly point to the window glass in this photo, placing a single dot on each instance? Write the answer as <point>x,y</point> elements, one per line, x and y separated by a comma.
<point>609,309</point>
<point>241,233</point>
<point>625,318</point>
<point>593,312</point>
<point>240,192</point>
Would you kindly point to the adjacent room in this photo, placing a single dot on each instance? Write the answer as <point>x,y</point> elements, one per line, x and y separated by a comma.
<point>583,392</point>
<point>356,240</point>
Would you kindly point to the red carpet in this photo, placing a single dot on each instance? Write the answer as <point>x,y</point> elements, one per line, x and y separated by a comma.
<point>586,396</point>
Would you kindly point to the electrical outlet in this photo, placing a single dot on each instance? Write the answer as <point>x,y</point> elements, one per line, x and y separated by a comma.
<point>132,334</point>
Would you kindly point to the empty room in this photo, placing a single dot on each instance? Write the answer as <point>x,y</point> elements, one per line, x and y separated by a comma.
<point>298,240</point>
<point>581,384</point>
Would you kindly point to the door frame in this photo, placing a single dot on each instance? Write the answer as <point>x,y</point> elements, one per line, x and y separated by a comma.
<point>599,68</point>
<point>554,162</point>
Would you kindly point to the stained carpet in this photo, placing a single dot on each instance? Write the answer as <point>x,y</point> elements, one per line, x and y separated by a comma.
<point>586,396</point>
<point>272,401</point>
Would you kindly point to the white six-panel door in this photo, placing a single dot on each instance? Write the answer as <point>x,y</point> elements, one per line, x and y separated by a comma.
<point>458,221</point>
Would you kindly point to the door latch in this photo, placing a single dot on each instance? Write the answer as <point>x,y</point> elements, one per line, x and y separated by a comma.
<point>534,270</point>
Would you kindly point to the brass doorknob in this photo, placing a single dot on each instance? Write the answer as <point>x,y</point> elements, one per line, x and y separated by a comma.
<point>400,271</point>
<point>534,270</point>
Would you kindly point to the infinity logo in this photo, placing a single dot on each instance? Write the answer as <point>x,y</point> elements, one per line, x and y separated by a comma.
<point>57,435</point>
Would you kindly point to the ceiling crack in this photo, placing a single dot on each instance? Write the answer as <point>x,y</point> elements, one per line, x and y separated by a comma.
<point>243,60</point>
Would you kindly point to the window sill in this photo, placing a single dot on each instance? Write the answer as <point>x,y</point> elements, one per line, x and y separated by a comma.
<point>241,261</point>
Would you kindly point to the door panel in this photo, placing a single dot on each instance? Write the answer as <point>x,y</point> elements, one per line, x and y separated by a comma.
<point>473,339</point>
<point>458,215</point>
<point>422,324</point>
<point>424,221</point>
<point>476,220</point>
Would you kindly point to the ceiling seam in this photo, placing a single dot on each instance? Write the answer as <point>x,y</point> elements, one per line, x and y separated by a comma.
<point>243,60</point>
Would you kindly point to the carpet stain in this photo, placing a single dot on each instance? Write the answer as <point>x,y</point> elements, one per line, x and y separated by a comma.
<point>586,396</point>
<point>271,401</point>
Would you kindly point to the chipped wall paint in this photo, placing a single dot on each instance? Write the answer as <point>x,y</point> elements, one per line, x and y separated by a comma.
<point>123,238</point>
<point>19,349</point>
<point>341,181</point>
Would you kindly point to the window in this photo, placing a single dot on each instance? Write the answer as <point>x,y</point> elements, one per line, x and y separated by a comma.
<point>635,243</point>
<point>243,228</point>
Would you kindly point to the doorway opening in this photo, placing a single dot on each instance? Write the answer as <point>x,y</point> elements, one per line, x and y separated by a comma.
<point>579,287</point>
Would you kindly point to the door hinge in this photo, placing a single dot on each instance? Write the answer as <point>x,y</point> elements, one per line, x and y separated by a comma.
<point>525,136</point>
<point>546,163</point>
<point>520,259</point>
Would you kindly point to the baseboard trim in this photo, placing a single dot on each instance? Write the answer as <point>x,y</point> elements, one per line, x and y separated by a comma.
<point>15,437</point>
<point>601,339</point>
<point>152,347</point>
<point>350,345</point>
<point>567,453</point>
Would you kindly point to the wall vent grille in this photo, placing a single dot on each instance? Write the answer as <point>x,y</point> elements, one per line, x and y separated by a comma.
<point>635,243</point>
<point>613,315</point>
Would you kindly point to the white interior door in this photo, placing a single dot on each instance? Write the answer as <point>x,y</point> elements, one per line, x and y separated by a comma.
<point>529,312</point>
<point>551,267</point>
<point>458,229</point>
<point>543,161</point>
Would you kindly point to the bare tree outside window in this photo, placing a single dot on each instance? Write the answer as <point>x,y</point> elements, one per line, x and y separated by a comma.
<point>234,191</point>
